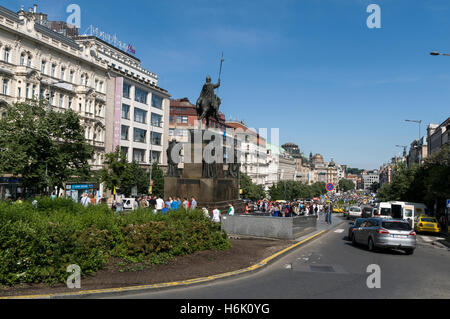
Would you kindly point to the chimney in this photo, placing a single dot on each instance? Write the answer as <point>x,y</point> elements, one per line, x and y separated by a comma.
<point>34,8</point>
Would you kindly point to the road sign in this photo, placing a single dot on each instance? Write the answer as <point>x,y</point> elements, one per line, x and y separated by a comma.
<point>448,203</point>
<point>330,187</point>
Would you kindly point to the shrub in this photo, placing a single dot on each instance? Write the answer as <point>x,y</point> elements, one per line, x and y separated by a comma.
<point>38,243</point>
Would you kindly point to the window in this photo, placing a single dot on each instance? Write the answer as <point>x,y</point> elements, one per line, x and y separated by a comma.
<point>140,95</point>
<point>139,135</point>
<point>140,115</point>
<point>101,86</point>
<point>124,150</point>
<point>156,138</point>
<point>41,93</point>
<point>171,119</point>
<point>124,132</point>
<point>63,73</point>
<point>125,111</point>
<point>71,76</point>
<point>156,120</point>
<point>19,92</point>
<point>401,225</point>
<point>43,67</point>
<point>96,85</point>
<point>126,90</point>
<point>82,79</point>
<point>53,70</point>
<point>5,87</point>
<point>154,156</point>
<point>157,101</point>
<point>70,102</point>
<point>182,119</point>
<point>27,91</point>
<point>138,155</point>
<point>22,59</point>
<point>6,55</point>
<point>61,100</point>
<point>29,62</point>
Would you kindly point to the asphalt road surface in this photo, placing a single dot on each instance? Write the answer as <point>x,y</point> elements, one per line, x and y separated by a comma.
<point>330,267</point>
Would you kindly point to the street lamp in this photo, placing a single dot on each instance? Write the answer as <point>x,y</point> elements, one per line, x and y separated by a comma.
<point>416,121</point>
<point>437,53</point>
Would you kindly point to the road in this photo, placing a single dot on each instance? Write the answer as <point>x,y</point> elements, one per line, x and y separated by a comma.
<point>330,267</point>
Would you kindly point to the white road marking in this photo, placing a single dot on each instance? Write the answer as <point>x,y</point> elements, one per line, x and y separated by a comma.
<point>427,239</point>
<point>340,230</point>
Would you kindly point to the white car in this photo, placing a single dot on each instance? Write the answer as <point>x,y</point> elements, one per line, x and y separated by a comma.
<point>354,212</point>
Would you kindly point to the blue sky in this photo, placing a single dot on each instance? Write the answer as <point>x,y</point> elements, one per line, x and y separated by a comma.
<point>309,67</point>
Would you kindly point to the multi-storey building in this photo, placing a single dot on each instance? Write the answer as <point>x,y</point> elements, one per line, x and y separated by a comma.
<point>418,151</point>
<point>138,109</point>
<point>369,178</point>
<point>253,150</point>
<point>38,63</point>
<point>437,136</point>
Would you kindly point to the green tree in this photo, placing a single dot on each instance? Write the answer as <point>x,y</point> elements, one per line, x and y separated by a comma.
<point>345,185</point>
<point>250,190</point>
<point>158,180</point>
<point>119,173</point>
<point>44,147</point>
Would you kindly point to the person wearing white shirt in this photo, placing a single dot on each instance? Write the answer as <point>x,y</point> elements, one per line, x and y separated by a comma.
<point>159,204</point>
<point>216,216</point>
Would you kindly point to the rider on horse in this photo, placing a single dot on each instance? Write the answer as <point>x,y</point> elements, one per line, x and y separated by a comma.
<point>208,103</point>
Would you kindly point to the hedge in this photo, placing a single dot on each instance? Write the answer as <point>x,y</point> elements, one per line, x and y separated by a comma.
<point>38,243</point>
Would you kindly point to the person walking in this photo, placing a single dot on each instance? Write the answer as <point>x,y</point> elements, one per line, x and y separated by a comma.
<point>216,215</point>
<point>230,210</point>
<point>193,203</point>
<point>85,201</point>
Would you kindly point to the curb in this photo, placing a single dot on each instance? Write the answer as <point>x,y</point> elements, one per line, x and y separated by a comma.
<point>183,283</point>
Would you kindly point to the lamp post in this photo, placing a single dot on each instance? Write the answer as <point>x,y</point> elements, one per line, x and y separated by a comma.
<point>419,149</point>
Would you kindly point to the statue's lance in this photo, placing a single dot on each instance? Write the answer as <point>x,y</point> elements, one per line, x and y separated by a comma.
<point>220,71</point>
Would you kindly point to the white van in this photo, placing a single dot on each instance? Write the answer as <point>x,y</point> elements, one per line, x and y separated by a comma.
<point>384,210</point>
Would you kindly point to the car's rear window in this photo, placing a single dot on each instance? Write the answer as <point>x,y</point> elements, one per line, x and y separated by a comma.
<point>431,220</point>
<point>396,225</point>
<point>355,209</point>
<point>385,211</point>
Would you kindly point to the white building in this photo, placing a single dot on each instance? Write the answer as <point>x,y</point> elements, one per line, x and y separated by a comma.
<point>137,115</point>
<point>368,178</point>
<point>37,63</point>
<point>253,152</point>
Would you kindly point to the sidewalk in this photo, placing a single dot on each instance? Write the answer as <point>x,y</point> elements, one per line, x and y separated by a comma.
<point>322,226</point>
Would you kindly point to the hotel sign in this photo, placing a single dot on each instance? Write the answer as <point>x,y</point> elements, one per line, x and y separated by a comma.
<point>117,111</point>
<point>111,39</point>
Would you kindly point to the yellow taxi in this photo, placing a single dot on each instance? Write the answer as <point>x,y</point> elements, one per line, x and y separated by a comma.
<point>338,210</point>
<point>427,224</point>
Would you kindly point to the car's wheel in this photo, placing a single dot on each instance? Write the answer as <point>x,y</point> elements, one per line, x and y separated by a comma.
<point>409,251</point>
<point>354,243</point>
<point>371,245</point>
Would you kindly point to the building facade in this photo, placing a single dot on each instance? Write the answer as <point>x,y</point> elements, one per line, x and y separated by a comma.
<point>437,136</point>
<point>38,63</point>
<point>137,109</point>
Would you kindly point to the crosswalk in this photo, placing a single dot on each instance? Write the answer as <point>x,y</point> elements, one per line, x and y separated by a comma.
<point>428,239</point>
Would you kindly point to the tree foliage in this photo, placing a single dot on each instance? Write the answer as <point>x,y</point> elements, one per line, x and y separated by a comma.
<point>250,190</point>
<point>426,183</point>
<point>118,173</point>
<point>346,184</point>
<point>290,190</point>
<point>44,147</point>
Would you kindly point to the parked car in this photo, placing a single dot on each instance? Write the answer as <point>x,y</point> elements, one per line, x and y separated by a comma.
<point>367,212</point>
<point>354,212</point>
<point>353,225</point>
<point>385,233</point>
<point>427,224</point>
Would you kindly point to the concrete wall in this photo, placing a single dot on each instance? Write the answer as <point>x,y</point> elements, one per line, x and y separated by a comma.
<point>267,226</point>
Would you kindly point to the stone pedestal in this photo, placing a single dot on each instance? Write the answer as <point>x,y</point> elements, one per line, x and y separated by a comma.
<point>212,192</point>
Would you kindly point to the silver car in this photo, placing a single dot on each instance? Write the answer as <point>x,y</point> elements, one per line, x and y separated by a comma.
<point>385,233</point>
